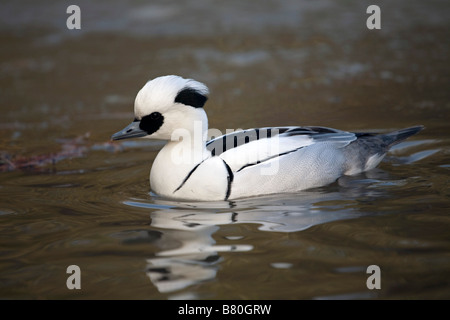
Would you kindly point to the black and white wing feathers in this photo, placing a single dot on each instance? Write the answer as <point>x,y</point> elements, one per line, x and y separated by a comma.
<point>251,147</point>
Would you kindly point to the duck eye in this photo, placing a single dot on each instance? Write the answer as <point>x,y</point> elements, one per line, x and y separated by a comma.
<point>152,122</point>
<point>155,115</point>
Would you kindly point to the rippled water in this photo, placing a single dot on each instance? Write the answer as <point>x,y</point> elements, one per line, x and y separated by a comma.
<point>71,197</point>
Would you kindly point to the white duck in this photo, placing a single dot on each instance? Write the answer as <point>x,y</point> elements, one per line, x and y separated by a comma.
<point>244,163</point>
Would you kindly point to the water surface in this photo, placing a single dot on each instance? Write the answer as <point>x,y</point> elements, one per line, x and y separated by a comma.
<point>71,197</point>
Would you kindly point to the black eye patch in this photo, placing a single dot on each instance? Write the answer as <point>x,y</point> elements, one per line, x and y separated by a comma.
<point>152,122</point>
<point>191,97</point>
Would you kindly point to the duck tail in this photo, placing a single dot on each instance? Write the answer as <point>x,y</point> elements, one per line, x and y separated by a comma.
<point>398,136</point>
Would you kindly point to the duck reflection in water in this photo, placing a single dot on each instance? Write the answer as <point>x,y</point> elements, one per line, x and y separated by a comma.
<point>190,255</point>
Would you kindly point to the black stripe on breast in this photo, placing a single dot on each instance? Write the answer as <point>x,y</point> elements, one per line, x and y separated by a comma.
<point>188,176</point>
<point>230,179</point>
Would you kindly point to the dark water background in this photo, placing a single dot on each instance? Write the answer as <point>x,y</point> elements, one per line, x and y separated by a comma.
<point>68,196</point>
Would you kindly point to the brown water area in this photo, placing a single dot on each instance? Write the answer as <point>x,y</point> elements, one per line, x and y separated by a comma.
<point>70,196</point>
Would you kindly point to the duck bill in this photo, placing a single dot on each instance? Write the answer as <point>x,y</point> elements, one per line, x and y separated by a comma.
<point>130,131</point>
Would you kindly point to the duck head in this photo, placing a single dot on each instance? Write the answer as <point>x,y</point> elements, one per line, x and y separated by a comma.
<point>164,105</point>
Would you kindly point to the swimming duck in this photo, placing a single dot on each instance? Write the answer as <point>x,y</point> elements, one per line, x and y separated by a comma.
<point>243,163</point>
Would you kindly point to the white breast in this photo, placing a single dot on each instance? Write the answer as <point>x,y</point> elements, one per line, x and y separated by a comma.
<point>194,177</point>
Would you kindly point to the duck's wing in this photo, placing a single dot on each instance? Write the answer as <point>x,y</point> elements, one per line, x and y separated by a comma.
<point>253,146</point>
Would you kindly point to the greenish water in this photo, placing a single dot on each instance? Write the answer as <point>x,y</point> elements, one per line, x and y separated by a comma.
<point>68,196</point>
